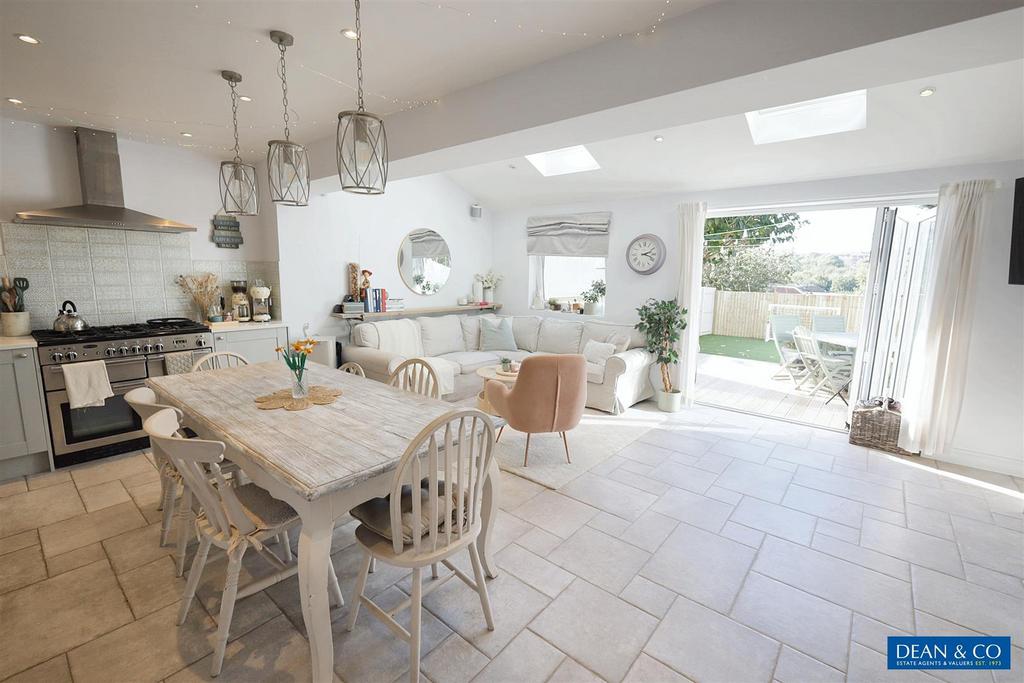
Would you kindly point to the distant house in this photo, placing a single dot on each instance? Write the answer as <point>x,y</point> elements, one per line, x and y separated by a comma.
<point>797,289</point>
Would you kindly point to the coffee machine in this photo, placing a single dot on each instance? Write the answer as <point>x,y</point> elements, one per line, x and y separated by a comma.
<point>260,294</point>
<point>240,308</point>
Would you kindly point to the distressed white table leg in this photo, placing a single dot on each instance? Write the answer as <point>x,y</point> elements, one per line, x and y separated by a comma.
<point>314,553</point>
<point>490,515</point>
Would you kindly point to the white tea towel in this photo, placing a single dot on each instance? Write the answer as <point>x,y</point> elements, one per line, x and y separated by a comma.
<point>178,363</point>
<point>87,383</point>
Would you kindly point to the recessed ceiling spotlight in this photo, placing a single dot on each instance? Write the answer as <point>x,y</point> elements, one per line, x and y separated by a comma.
<point>349,33</point>
<point>245,98</point>
<point>186,134</point>
<point>927,92</point>
<point>659,138</point>
<point>25,38</point>
<point>14,100</point>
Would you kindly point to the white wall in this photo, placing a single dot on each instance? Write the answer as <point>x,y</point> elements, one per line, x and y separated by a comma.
<point>318,242</point>
<point>990,434</point>
<point>39,170</point>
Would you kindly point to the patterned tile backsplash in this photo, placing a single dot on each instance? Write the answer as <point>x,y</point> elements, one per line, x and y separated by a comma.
<point>113,276</point>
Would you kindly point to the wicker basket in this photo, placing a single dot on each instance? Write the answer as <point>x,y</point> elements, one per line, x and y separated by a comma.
<point>876,424</point>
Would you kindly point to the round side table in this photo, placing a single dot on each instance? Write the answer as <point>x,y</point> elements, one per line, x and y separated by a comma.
<point>490,374</point>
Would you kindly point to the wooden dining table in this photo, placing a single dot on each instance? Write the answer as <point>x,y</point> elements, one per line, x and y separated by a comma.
<point>323,461</point>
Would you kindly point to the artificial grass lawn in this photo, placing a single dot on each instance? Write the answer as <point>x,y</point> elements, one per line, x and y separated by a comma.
<point>739,347</point>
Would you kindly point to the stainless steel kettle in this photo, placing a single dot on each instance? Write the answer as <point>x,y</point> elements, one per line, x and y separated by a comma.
<point>68,319</point>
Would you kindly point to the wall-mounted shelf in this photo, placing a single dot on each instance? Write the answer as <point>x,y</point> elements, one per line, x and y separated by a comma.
<point>413,312</point>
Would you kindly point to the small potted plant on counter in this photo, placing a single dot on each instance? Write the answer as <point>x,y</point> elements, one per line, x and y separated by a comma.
<point>662,322</point>
<point>554,305</point>
<point>593,298</point>
<point>488,281</point>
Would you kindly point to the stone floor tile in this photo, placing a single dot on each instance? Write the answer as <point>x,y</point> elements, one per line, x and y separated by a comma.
<point>91,527</point>
<point>948,501</point>
<point>607,640</point>
<point>868,666</point>
<point>742,450</point>
<point>825,505</point>
<point>599,558</point>
<point>928,521</point>
<point>847,487</point>
<point>990,545</point>
<point>539,541</point>
<point>975,607</point>
<point>803,456</point>
<point>862,474</point>
<point>775,520</point>
<point>454,660</point>
<point>109,469</point>
<point>148,649</point>
<point>785,433</point>
<point>1011,585</point>
<point>251,611</point>
<point>137,547</point>
<point>9,544</point>
<point>686,441</point>
<point>880,562</point>
<point>51,671</point>
<point>784,465</point>
<point>646,669</point>
<point>850,585</point>
<point>650,531</point>
<point>371,652</point>
<point>930,625</point>
<point>535,571</point>
<point>645,453</point>
<point>635,467</point>
<point>842,532</point>
<point>912,546</point>
<point>515,491</point>
<point>570,671</point>
<point>52,616</point>
<point>1014,522</point>
<point>703,645</point>
<point>700,565</point>
<point>743,534</point>
<point>805,622</point>
<point>609,523</point>
<point>527,659</point>
<point>103,495</point>
<point>45,479</point>
<point>139,479</point>
<point>873,634</point>
<point>693,508</point>
<point>33,509</point>
<point>152,586</point>
<point>755,480</point>
<point>513,602</point>
<point>713,462</point>
<point>21,568</point>
<point>724,495</point>
<point>638,481</point>
<point>12,487</point>
<point>555,513</point>
<point>610,496</point>
<point>683,476</point>
<point>607,466</point>
<point>796,667</point>
<point>73,559</point>
<point>273,652</point>
<point>648,596</point>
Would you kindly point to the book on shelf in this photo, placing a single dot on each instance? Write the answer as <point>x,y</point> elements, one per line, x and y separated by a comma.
<point>376,301</point>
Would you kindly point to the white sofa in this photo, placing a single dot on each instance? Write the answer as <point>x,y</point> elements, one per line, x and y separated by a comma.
<point>622,381</point>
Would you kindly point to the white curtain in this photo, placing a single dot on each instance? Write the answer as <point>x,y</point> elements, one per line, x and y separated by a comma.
<point>688,294</point>
<point>537,298</point>
<point>938,360</point>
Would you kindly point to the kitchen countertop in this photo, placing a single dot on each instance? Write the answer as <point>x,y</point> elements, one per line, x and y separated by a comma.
<point>7,343</point>
<point>251,326</point>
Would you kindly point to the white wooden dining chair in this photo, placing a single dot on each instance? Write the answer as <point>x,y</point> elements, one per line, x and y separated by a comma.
<point>417,376</point>
<point>219,360</point>
<point>352,368</point>
<point>434,511</point>
<point>233,518</point>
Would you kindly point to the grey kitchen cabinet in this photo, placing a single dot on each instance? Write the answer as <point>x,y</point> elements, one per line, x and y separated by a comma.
<point>22,413</point>
<point>257,345</point>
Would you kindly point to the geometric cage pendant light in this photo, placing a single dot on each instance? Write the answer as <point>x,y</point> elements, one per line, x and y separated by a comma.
<point>239,193</point>
<point>362,143</point>
<point>287,161</point>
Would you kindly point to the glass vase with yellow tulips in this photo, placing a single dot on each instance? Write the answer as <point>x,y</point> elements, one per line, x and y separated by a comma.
<point>295,357</point>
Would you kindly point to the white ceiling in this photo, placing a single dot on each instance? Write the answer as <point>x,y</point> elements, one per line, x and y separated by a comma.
<point>975,116</point>
<point>151,69</point>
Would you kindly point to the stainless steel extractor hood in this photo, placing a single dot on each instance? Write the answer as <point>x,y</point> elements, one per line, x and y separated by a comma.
<point>99,169</point>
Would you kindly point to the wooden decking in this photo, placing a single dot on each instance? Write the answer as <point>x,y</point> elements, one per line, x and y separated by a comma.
<point>747,385</point>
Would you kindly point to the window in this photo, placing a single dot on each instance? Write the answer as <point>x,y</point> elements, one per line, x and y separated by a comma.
<point>563,277</point>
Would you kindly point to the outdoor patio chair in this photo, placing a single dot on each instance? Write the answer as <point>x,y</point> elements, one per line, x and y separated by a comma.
<point>782,327</point>
<point>828,323</point>
<point>829,374</point>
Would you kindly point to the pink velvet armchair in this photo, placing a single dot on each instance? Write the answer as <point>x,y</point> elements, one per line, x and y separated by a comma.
<point>548,396</point>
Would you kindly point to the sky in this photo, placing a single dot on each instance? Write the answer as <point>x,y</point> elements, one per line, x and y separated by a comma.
<point>840,231</point>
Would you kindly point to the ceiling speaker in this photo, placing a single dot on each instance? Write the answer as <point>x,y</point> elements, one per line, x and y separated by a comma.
<point>475,210</point>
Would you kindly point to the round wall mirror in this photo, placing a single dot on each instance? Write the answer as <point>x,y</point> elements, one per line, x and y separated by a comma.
<point>424,261</point>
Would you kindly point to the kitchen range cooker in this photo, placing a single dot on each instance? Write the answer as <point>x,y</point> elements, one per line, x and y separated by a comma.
<point>131,353</point>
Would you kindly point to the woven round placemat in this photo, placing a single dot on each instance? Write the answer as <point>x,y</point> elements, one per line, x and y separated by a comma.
<point>318,396</point>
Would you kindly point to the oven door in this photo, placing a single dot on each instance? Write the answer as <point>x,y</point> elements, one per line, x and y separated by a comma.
<point>81,428</point>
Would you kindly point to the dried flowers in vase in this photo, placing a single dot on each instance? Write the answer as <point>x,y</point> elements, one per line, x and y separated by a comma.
<point>204,290</point>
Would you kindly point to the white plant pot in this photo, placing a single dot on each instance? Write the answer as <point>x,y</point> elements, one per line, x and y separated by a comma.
<point>16,324</point>
<point>669,401</point>
<point>593,307</point>
<point>488,295</point>
<point>478,292</point>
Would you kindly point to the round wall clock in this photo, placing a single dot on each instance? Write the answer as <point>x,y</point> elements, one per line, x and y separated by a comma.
<point>646,254</point>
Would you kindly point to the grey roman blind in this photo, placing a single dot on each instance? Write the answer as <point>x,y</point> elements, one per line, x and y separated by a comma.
<point>573,234</point>
<point>427,244</point>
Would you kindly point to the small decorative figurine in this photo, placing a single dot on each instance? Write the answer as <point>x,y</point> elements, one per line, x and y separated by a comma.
<point>364,285</point>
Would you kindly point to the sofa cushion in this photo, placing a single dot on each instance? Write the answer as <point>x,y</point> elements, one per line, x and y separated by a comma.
<point>441,335</point>
<point>496,335</point>
<point>598,352</point>
<point>471,330</point>
<point>469,361</point>
<point>557,336</point>
<point>526,329</point>
<point>612,332</point>
<point>595,373</point>
<point>365,334</point>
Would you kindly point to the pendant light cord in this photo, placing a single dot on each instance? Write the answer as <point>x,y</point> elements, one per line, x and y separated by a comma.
<point>359,57</point>
<point>284,89</point>
<point>234,117</point>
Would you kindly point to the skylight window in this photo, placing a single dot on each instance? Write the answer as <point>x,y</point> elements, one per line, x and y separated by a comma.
<point>562,161</point>
<point>809,119</point>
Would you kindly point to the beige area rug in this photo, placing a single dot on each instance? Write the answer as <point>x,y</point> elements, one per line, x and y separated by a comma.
<point>598,437</point>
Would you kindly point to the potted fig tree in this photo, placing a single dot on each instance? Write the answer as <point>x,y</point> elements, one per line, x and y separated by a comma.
<point>593,298</point>
<point>662,322</point>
